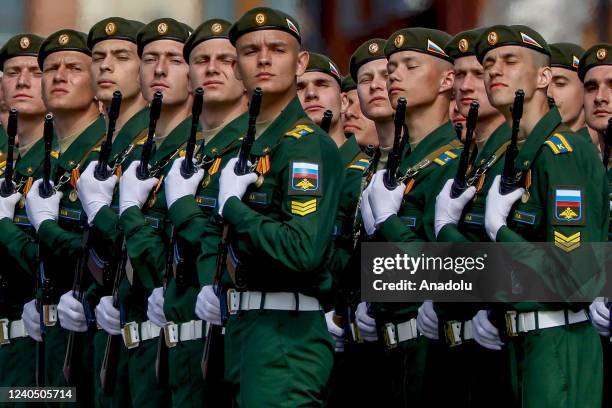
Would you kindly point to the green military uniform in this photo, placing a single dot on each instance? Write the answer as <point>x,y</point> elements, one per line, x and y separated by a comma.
<point>18,248</point>
<point>559,365</point>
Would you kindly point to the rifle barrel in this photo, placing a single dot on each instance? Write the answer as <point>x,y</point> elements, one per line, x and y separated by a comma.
<point>7,187</point>
<point>241,167</point>
<point>143,169</point>
<point>399,142</point>
<point>188,169</point>
<point>101,172</point>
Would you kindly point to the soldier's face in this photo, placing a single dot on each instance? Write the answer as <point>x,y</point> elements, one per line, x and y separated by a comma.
<point>418,77</point>
<point>568,93</point>
<point>271,60</point>
<point>469,86</point>
<point>354,121</point>
<point>598,97</point>
<point>372,90</point>
<point>115,66</point>
<point>319,92</point>
<point>510,68</point>
<point>21,85</point>
<point>66,81</point>
<point>164,69</point>
<point>211,67</point>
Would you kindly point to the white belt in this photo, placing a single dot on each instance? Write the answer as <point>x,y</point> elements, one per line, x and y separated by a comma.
<point>456,332</point>
<point>178,332</point>
<point>133,333</point>
<point>543,319</point>
<point>11,330</point>
<point>272,301</point>
<point>397,333</point>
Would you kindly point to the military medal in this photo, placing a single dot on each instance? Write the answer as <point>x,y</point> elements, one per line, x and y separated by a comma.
<point>22,201</point>
<point>153,198</point>
<point>74,177</point>
<point>73,196</point>
<point>526,195</point>
<point>409,186</point>
<point>206,181</point>
<point>260,180</point>
<point>263,166</point>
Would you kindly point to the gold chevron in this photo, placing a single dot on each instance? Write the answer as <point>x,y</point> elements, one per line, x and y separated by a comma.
<point>304,208</point>
<point>567,243</point>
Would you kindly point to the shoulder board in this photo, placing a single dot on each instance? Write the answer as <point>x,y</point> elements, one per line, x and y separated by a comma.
<point>55,154</point>
<point>141,140</point>
<point>300,130</point>
<point>360,162</point>
<point>558,144</point>
<point>447,156</point>
<point>96,149</point>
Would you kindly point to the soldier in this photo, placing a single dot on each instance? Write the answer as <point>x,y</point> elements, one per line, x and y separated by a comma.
<point>566,88</point>
<point>211,59</point>
<point>59,219</point>
<point>280,233</point>
<point>553,167</point>
<point>3,121</point>
<point>143,212</point>
<point>422,72</point>
<point>353,119</point>
<point>22,89</point>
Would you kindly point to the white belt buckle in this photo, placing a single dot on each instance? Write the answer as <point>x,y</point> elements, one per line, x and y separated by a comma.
<point>390,336</point>
<point>131,337</point>
<point>171,334</point>
<point>4,332</point>
<point>452,332</point>
<point>49,315</point>
<point>233,301</point>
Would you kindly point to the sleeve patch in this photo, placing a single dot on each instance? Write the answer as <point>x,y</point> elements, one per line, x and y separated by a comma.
<point>558,144</point>
<point>304,208</point>
<point>299,131</point>
<point>568,206</point>
<point>567,243</point>
<point>444,158</point>
<point>305,179</point>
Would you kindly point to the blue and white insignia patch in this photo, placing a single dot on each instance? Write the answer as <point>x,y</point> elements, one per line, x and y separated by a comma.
<point>568,206</point>
<point>305,176</point>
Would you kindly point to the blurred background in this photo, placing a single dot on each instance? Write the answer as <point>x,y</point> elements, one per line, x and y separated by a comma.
<point>334,27</point>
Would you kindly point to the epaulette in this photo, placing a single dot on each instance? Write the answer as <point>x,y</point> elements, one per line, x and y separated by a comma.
<point>558,144</point>
<point>360,162</point>
<point>96,149</point>
<point>142,140</point>
<point>300,130</point>
<point>446,156</point>
<point>55,154</point>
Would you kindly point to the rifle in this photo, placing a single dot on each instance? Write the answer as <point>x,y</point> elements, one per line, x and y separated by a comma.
<point>7,188</point>
<point>45,189</point>
<point>508,178</point>
<point>460,183</point>
<point>214,339</point>
<point>188,169</point>
<point>607,143</point>
<point>326,121</point>
<point>101,173</point>
<point>394,159</point>
<point>142,172</point>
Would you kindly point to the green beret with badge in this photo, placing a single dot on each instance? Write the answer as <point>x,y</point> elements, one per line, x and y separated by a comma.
<point>424,40</point>
<point>322,63</point>
<point>63,40</point>
<point>347,84</point>
<point>370,50</point>
<point>599,54</point>
<point>505,35</point>
<point>463,44</point>
<point>264,18</point>
<point>162,29</point>
<point>215,28</point>
<point>20,45</point>
<point>113,28</point>
<point>565,55</point>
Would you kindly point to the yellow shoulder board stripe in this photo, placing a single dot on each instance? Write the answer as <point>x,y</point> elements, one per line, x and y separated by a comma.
<point>360,164</point>
<point>55,154</point>
<point>444,158</point>
<point>142,140</point>
<point>567,243</point>
<point>304,208</point>
<point>299,131</point>
<point>558,144</point>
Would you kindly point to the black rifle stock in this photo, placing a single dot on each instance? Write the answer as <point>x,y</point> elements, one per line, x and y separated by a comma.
<point>460,183</point>
<point>607,143</point>
<point>7,188</point>
<point>399,142</point>
<point>188,169</point>
<point>101,173</point>
<point>45,189</point>
<point>508,182</point>
<point>242,167</point>
<point>326,121</point>
<point>142,172</point>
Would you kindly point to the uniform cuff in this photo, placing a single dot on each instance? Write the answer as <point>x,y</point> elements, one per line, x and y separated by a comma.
<point>234,209</point>
<point>132,220</point>
<point>183,210</point>
<point>390,227</point>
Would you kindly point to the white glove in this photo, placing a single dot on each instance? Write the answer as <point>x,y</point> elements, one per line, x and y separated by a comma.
<point>427,320</point>
<point>208,306</point>
<point>384,203</point>
<point>448,210</point>
<point>484,332</point>
<point>93,193</point>
<point>600,316</point>
<point>71,314</point>
<point>176,186</point>
<point>366,212</point>
<point>31,320</point>
<point>7,204</point>
<point>231,185</point>
<point>498,207</point>
<point>336,332</point>
<point>155,309</point>
<point>108,317</point>
<point>132,191</point>
<point>41,209</point>
<point>365,323</point>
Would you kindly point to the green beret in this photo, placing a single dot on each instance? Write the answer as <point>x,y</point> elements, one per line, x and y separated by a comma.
<point>370,50</point>
<point>504,35</point>
<point>425,40</point>
<point>162,29</point>
<point>264,18</point>
<point>463,44</point>
<point>565,55</point>
<point>599,54</point>
<point>321,63</point>
<point>113,28</point>
<point>20,45</point>
<point>63,40</point>
<point>348,84</point>
<point>215,28</point>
